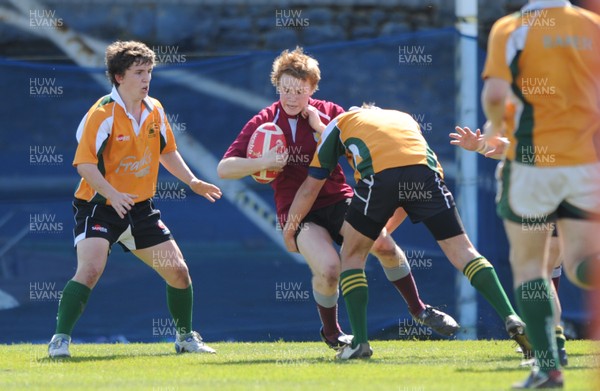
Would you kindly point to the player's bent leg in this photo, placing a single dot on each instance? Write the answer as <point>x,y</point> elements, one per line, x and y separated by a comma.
<point>355,249</point>
<point>446,227</point>
<point>354,281</point>
<point>316,246</point>
<point>479,271</point>
<point>167,260</point>
<point>397,270</point>
<point>581,249</point>
<point>92,254</point>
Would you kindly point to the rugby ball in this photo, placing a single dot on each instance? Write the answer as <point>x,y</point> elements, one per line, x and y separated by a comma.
<point>266,137</point>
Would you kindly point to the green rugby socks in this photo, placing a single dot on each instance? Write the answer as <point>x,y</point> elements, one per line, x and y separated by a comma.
<point>356,295</point>
<point>482,276</point>
<point>72,303</point>
<point>534,299</point>
<point>180,303</point>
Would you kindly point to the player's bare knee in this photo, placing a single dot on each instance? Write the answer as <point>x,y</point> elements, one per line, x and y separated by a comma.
<point>385,249</point>
<point>181,271</point>
<point>88,276</point>
<point>328,276</point>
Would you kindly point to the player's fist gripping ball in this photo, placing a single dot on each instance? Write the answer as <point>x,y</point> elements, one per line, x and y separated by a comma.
<point>266,137</point>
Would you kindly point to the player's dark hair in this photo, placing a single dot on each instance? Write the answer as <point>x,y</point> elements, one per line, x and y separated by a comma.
<point>120,55</point>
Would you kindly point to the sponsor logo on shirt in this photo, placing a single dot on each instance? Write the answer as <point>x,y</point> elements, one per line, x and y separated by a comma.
<point>122,137</point>
<point>139,168</point>
<point>99,228</point>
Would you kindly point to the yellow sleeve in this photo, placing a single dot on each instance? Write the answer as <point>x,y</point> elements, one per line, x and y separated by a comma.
<point>166,133</point>
<point>496,63</point>
<point>92,134</point>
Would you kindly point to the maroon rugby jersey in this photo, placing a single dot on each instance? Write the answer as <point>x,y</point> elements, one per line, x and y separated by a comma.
<point>301,148</point>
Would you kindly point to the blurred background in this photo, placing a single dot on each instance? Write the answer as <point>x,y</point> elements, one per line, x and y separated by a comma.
<point>213,75</point>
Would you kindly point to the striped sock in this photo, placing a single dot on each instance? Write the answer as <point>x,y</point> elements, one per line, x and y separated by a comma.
<point>560,337</point>
<point>356,295</point>
<point>482,276</point>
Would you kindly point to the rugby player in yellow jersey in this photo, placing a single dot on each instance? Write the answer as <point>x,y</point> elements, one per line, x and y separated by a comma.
<point>548,54</point>
<point>394,168</point>
<point>121,141</point>
<point>473,141</point>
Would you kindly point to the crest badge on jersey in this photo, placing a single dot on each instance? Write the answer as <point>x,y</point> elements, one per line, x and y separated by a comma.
<point>153,130</point>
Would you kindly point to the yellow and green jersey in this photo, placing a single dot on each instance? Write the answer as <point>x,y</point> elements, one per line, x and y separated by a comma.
<point>126,153</point>
<point>373,140</point>
<point>550,54</point>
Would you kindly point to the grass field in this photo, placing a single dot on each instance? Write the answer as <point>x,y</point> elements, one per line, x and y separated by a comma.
<point>396,365</point>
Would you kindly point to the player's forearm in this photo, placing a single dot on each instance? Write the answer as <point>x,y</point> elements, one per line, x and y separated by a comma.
<point>239,167</point>
<point>304,199</point>
<point>493,99</point>
<point>175,164</point>
<point>94,178</point>
<point>494,112</point>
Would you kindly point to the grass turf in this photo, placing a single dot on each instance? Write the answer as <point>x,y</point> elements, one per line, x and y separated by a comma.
<point>396,365</point>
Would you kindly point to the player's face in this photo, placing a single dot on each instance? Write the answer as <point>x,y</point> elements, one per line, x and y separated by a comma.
<point>294,94</point>
<point>136,81</point>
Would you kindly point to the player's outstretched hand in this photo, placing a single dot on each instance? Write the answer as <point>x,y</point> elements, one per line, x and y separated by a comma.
<point>206,190</point>
<point>466,139</point>
<point>122,202</point>
<point>495,147</point>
